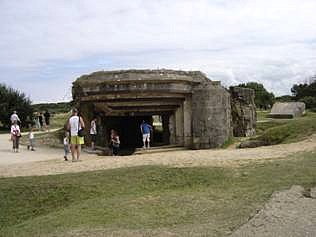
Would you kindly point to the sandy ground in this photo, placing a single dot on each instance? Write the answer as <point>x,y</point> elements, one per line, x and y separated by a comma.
<point>49,161</point>
<point>287,214</point>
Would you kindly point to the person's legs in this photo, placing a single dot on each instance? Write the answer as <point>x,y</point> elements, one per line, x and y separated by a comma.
<point>13,143</point>
<point>32,144</point>
<point>17,143</point>
<point>144,140</point>
<point>66,151</point>
<point>73,149</point>
<point>115,150</point>
<point>93,138</point>
<point>78,151</point>
<point>148,140</point>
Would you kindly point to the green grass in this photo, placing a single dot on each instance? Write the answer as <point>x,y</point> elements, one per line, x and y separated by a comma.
<point>262,114</point>
<point>52,138</point>
<point>146,200</point>
<point>59,120</point>
<point>279,131</point>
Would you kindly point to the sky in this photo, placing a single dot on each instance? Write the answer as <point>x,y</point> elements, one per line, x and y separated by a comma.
<point>45,45</point>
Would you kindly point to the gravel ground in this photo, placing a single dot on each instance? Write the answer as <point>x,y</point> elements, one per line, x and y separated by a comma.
<point>49,161</point>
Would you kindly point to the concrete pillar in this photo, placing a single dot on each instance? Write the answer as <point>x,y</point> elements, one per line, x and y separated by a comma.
<point>86,112</point>
<point>179,126</point>
<point>172,129</point>
<point>165,127</point>
<point>187,121</point>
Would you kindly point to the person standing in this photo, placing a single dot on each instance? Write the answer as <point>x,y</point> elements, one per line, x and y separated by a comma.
<point>93,132</point>
<point>47,119</point>
<point>31,144</point>
<point>36,121</point>
<point>145,129</point>
<point>115,142</point>
<point>40,120</point>
<point>15,136</point>
<point>75,126</point>
<point>15,118</point>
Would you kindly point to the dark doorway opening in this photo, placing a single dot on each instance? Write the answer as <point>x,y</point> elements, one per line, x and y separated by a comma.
<point>128,128</point>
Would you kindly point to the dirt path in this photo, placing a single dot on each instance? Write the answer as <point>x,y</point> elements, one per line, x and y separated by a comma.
<point>48,161</point>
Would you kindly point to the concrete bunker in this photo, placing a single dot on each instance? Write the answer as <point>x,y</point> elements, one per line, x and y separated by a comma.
<point>287,110</point>
<point>184,107</point>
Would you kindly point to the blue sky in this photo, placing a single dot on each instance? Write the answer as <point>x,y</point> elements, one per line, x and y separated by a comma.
<point>45,45</point>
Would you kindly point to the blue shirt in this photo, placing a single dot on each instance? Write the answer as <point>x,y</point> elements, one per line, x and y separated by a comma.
<point>145,128</point>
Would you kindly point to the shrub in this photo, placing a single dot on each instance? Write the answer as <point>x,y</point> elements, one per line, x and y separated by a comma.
<point>10,100</point>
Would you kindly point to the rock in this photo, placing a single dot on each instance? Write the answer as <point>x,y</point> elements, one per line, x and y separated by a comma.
<point>251,144</point>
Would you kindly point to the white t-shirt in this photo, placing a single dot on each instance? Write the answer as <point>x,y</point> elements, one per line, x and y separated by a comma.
<point>65,141</point>
<point>15,130</point>
<point>93,129</point>
<point>14,117</point>
<point>31,135</point>
<point>74,125</point>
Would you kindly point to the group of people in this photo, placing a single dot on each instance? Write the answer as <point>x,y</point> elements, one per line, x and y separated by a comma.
<point>15,133</point>
<point>74,138</point>
<point>40,118</point>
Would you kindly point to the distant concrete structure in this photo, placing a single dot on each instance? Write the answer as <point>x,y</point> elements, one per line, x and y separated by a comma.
<point>287,110</point>
<point>194,111</point>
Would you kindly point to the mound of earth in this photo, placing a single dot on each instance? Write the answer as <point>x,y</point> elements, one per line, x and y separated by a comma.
<point>290,213</point>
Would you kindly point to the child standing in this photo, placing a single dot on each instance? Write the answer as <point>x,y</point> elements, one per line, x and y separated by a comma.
<point>31,140</point>
<point>66,145</point>
<point>115,142</point>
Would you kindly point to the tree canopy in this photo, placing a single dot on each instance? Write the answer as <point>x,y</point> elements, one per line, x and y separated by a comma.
<point>263,98</point>
<point>10,100</point>
<point>306,92</point>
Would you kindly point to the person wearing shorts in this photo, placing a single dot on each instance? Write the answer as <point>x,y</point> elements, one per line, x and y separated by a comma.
<point>145,129</point>
<point>75,124</point>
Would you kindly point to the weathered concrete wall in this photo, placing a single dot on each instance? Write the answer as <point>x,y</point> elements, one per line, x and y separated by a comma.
<point>172,129</point>
<point>243,111</point>
<point>287,110</point>
<point>187,121</point>
<point>211,111</point>
<point>197,110</point>
<point>179,117</point>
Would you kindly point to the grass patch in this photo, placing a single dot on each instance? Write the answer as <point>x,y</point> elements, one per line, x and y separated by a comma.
<point>262,114</point>
<point>186,201</point>
<point>286,131</point>
<point>59,120</point>
<point>52,138</point>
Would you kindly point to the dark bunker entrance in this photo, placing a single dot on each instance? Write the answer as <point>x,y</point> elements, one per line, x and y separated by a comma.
<point>128,128</point>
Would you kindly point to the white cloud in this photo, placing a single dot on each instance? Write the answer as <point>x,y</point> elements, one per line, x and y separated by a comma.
<point>234,41</point>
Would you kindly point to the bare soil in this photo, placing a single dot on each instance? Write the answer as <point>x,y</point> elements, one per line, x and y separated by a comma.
<point>49,161</point>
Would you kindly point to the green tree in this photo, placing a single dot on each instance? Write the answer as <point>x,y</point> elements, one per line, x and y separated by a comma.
<point>263,98</point>
<point>10,100</point>
<point>306,92</point>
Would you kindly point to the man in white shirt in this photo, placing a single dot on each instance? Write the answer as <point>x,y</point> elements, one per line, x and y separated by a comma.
<point>75,124</point>
<point>15,118</point>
